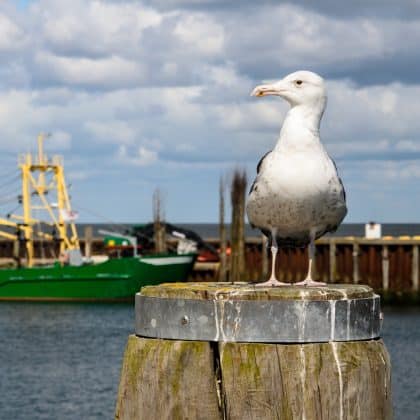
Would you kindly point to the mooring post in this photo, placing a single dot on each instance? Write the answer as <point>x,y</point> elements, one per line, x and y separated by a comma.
<point>16,252</point>
<point>355,262</point>
<point>333,265</point>
<point>236,351</point>
<point>415,269</point>
<point>385,268</point>
<point>88,241</point>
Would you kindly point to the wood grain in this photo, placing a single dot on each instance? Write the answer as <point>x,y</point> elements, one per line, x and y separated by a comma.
<point>165,379</point>
<point>326,381</point>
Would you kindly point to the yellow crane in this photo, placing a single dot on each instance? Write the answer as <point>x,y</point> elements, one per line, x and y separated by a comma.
<point>42,176</point>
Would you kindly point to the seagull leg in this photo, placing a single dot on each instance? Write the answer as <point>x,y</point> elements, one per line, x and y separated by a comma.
<point>308,279</point>
<point>272,281</point>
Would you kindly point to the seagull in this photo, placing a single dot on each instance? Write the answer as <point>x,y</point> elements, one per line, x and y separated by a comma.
<point>297,195</point>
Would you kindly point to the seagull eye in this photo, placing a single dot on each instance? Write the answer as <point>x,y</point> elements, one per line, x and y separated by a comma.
<point>298,82</point>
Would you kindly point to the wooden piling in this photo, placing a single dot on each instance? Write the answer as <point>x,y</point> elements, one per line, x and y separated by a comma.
<point>159,236</point>
<point>16,252</point>
<point>237,241</point>
<point>88,241</point>
<point>415,269</point>
<point>333,264</point>
<point>339,369</point>
<point>163,379</point>
<point>222,275</point>
<point>385,268</point>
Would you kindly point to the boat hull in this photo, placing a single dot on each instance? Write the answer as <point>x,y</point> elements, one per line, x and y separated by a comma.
<point>112,280</point>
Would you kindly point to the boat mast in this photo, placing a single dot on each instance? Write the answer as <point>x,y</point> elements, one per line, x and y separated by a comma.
<point>26,205</point>
<point>60,213</point>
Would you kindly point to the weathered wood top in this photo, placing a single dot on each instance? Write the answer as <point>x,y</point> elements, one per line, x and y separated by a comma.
<point>249,291</point>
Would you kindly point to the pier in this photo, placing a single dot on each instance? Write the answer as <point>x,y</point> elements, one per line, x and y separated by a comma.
<point>389,265</point>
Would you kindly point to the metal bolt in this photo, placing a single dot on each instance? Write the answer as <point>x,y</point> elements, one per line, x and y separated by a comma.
<point>185,320</point>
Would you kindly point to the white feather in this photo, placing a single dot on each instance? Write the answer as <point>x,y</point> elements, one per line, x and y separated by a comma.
<point>297,190</point>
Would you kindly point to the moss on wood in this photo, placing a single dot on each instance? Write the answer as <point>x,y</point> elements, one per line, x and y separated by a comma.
<point>248,291</point>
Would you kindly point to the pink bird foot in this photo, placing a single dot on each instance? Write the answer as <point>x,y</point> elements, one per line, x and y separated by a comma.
<point>308,282</point>
<point>273,282</point>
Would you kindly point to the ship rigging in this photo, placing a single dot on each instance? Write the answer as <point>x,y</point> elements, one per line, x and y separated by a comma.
<point>44,191</point>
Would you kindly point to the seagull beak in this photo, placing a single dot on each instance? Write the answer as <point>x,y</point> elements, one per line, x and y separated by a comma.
<point>271,89</point>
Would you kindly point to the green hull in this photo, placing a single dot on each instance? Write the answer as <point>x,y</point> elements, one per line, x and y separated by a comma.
<point>113,280</point>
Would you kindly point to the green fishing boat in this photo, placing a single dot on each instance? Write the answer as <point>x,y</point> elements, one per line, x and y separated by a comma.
<point>112,280</point>
<point>71,277</point>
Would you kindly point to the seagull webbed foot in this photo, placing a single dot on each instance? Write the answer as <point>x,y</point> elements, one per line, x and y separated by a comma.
<point>272,282</point>
<point>308,282</point>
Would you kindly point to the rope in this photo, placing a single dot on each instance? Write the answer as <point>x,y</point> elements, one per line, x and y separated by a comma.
<point>109,222</point>
<point>6,183</point>
<point>7,200</point>
<point>14,209</point>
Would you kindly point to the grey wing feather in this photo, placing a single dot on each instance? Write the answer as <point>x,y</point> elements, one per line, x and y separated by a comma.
<point>261,161</point>
<point>259,165</point>
<point>339,179</point>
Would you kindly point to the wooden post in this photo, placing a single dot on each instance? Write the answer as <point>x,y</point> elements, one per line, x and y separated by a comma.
<point>187,389</point>
<point>237,257</point>
<point>88,241</point>
<point>385,268</point>
<point>333,265</point>
<point>222,351</point>
<point>159,224</point>
<point>222,275</point>
<point>415,269</point>
<point>355,263</point>
<point>16,252</point>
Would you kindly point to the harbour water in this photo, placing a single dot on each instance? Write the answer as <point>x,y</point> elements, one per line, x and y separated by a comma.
<point>62,361</point>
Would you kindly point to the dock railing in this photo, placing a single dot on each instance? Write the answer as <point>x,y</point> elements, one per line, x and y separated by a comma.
<point>389,265</point>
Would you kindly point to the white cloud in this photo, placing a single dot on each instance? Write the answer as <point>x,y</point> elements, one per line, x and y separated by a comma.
<point>199,32</point>
<point>110,72</point>
<point>111,131</point>
<point>60,140</point>
<point>186,123</point>
<point>370,148</point>
<point>386,174</point>
<point>182,104</point>
<point>11,35</point>
<point>408,145</point>
<point>108,27</point>
<point>371,113</point>
<point>140,157</point>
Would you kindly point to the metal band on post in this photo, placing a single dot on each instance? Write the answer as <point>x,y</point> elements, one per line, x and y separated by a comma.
<point>269,321</point>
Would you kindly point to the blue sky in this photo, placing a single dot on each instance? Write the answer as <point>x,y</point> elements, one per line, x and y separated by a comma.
<point>22,4</point>
<point>146,95</point>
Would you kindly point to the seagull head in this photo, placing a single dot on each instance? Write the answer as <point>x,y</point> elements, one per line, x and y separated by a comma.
<point>298,88</point>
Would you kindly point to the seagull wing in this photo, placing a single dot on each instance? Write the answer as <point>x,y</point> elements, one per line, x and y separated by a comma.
<point>339,180</point>
<point>332,227</point>
<point>259,166</point>
<point>261,161</point>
